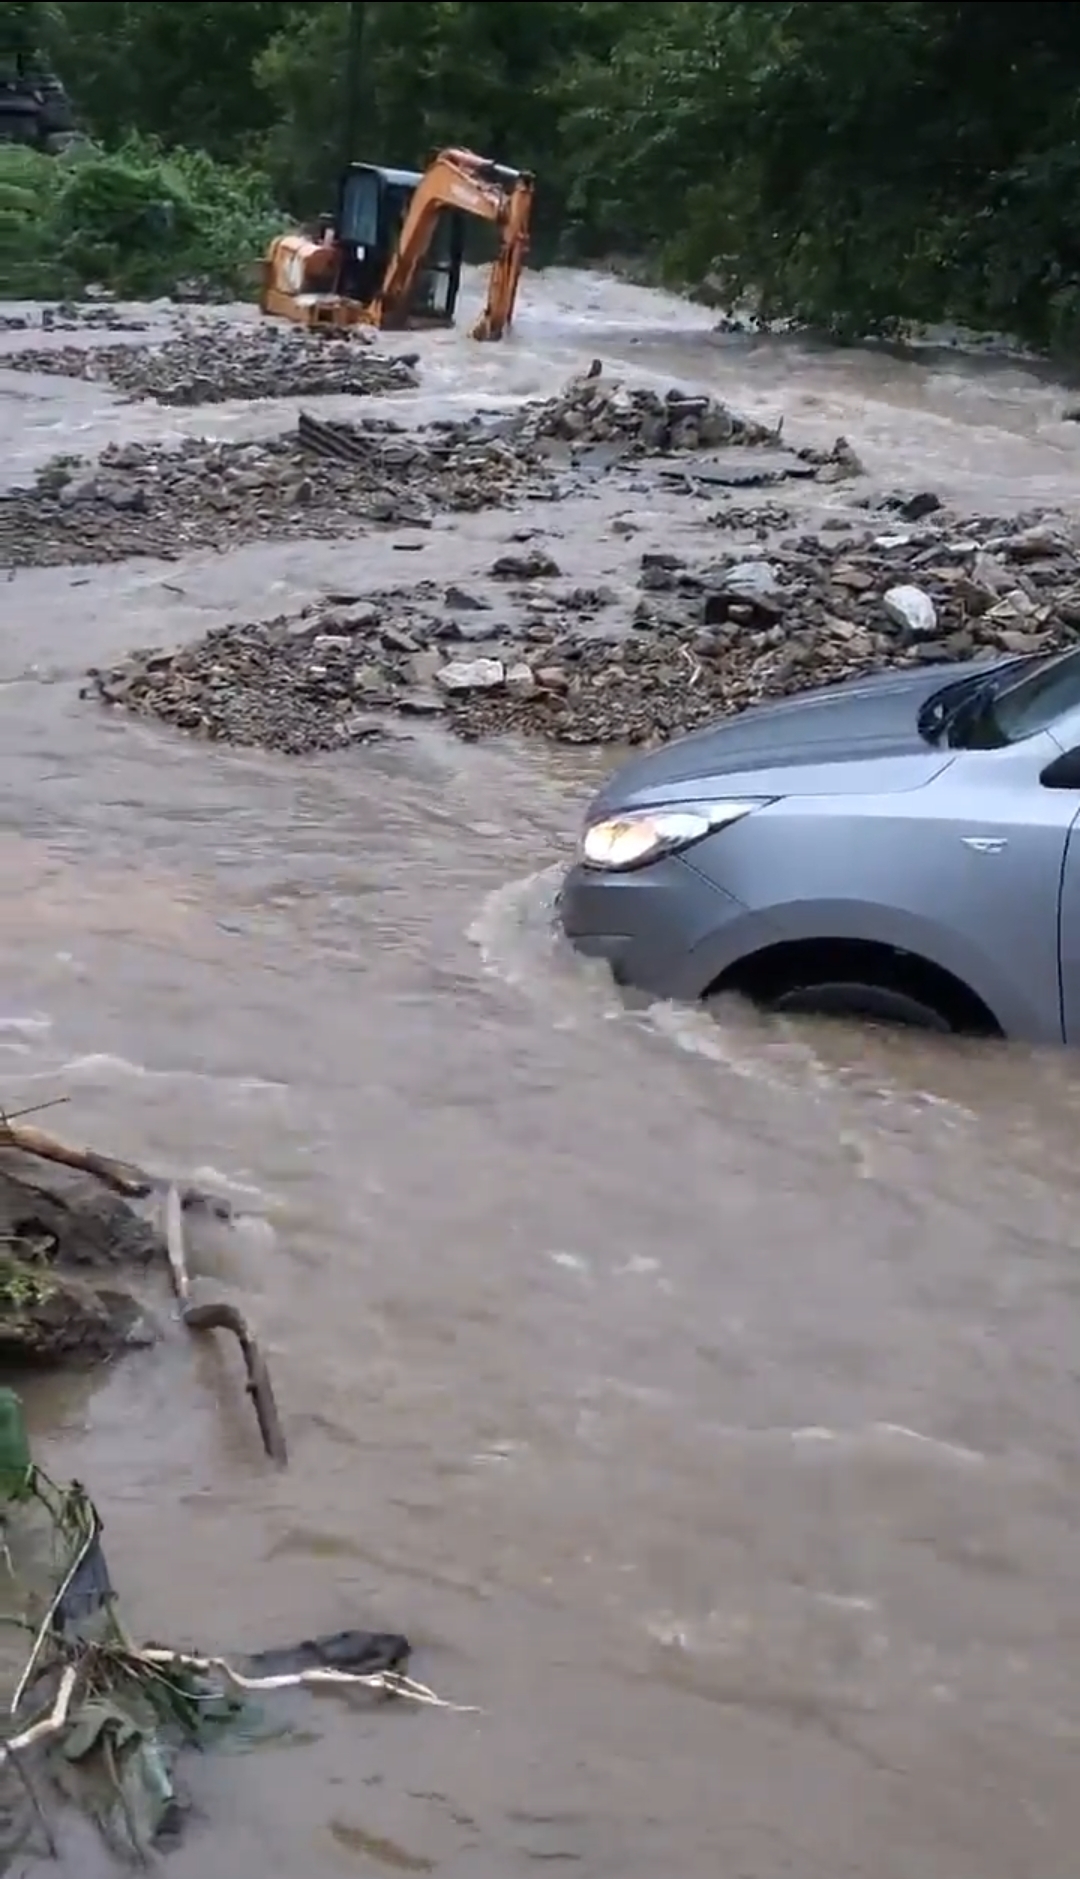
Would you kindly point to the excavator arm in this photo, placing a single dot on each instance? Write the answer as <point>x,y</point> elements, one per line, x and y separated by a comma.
<point>460,180</point>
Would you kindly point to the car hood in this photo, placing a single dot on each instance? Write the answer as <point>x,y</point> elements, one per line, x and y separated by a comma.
<point>862,736</point>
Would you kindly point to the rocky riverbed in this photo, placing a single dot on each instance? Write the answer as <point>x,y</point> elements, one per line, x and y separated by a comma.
<point>532,653</point>
<point>211,362</point>
<point>145,499</point>
<point>322,480</point>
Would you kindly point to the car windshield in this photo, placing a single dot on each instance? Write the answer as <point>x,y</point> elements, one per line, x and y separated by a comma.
<point>1005,710</point>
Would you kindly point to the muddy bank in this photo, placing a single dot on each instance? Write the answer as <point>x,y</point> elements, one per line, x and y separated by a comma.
<point>214,361</point>
<point>327,480</point>
<point>528,651</point>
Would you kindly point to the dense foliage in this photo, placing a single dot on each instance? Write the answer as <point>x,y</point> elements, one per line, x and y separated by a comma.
<point>137,219</point>
<point>853,163</point>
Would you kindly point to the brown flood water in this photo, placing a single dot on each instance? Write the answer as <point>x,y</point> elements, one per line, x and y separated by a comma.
<point>702,1402</point>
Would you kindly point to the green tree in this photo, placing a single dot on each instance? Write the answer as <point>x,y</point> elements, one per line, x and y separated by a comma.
<point>851,163</point>
<point>180,72</point>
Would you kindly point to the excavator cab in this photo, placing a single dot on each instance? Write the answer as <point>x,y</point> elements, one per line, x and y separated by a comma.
<point>372,205</point>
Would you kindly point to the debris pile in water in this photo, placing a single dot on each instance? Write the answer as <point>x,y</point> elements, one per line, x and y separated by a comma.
<point>72,316</point>
<point>210,362</point>
<point>145,499</point>
<point>332,479</point>
<point>592,409</point>
<point>531,652</point>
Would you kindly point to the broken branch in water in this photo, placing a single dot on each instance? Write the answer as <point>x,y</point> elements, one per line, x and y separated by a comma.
<point>218,1315</point>
<point>46,1725</point>
<point>121,1176</point>
<point>390,1682</point>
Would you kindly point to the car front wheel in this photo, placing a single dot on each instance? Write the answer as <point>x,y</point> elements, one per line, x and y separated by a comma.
<point>846,998</point>
<point>845,978</point>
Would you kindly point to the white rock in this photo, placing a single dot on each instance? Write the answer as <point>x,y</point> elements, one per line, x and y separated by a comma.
<point>472,675</point>
<point>751,580</point>
<point>519,679</point>
<point>912,609</point>
<point>1013,605</point>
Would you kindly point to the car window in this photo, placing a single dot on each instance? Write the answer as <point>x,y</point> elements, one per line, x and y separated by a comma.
<point>1035,701</point>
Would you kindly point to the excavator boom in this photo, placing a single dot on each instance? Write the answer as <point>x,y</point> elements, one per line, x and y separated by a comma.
<point>386,261</point>
<point>460,180</point>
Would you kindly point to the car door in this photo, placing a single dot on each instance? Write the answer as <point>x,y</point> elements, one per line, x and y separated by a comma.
<point>1060,779</point>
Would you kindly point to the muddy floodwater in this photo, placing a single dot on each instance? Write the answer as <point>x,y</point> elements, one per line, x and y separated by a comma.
<point>701,1400</point>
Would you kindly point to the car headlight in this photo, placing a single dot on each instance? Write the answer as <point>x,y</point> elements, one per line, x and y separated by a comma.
<point>638,836</point>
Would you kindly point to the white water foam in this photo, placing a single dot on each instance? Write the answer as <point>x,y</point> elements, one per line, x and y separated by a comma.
<point>102,1065</point>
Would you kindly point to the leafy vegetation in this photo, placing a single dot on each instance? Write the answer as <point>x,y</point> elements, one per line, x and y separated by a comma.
<point>852,163</point>
<point>138,219</point>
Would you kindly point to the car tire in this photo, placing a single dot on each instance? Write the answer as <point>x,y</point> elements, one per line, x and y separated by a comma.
<point>845,998</point>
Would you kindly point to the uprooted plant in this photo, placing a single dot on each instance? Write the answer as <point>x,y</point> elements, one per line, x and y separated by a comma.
<point>98,1723</point>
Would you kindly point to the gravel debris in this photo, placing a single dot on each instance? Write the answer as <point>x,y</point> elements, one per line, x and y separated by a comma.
<point>592,666</point>
<point>147,499</point>
<point>165,501</point>
<point>214,361</point>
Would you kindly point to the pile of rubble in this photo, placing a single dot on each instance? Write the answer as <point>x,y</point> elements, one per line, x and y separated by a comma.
<point>210,362</point>
<point>534,654</point>
<point>595,410</point>
<point>146,499</point>
<point>329,478</point>
<point>73,316</point>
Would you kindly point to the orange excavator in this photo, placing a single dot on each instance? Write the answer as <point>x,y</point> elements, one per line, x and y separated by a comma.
<point>391,257</point>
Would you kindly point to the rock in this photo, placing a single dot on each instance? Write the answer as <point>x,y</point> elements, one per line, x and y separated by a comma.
<point>912,609</point>
<point>471,675</point>
<point>858,580</point>
<point>1014,608</point>
<point>751,580</point>
<point>520,680</point>
<point>49,1318</point>
<point>536,565</point>
<point>461,602</point>
<point>1031,544</point>
<point>839,464</point>
<point>59,1231</point>
<point>914,508</point>
<point>1017,642</point>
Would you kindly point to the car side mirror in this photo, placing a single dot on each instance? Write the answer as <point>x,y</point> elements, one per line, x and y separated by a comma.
<point>1063,772</point>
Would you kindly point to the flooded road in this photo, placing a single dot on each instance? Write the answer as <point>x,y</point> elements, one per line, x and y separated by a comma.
<point>701,1401</point>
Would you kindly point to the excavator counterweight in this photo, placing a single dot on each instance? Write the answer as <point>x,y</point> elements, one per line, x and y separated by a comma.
<point>391,257</point>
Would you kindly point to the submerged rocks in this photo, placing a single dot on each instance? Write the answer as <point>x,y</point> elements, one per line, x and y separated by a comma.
<point>585,665</point>
<point>211,362</point>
